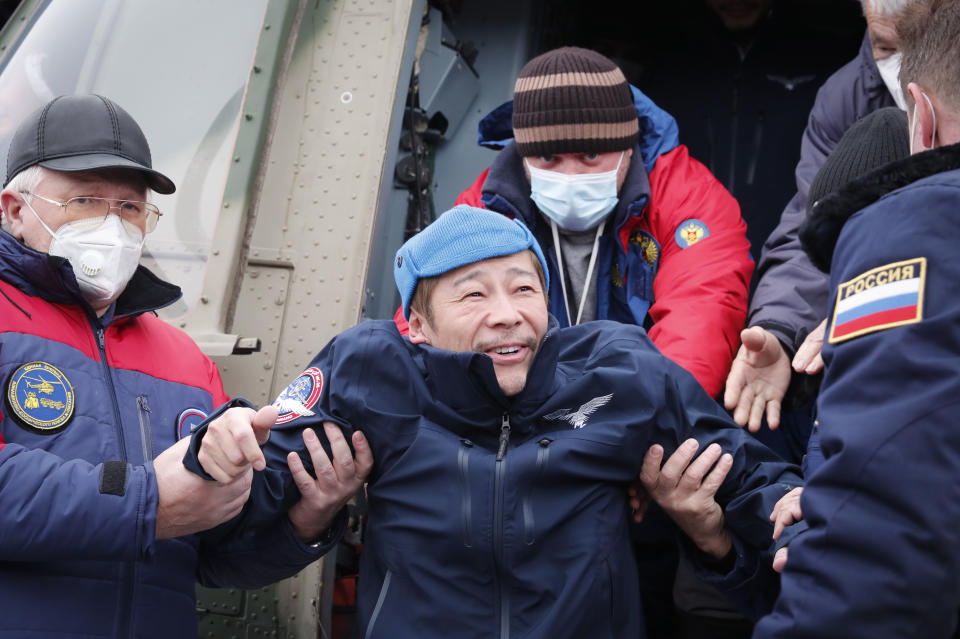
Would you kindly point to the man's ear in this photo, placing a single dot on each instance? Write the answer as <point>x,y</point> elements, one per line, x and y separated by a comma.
<point>416,332</point>
<point>923,114</point>
<point>12,206</point>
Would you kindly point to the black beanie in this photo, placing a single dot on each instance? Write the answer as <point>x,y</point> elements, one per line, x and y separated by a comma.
<point>873,141</point>
<point>573,100</point>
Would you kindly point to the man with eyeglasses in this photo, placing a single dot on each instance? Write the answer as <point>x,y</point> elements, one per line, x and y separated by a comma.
<point>103,532</point>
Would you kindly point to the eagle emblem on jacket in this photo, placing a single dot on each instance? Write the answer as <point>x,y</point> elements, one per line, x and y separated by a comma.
<point>578,418</point>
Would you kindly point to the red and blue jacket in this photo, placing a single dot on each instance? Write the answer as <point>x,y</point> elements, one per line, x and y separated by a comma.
<point>676,260</point>
<point>87,406</point>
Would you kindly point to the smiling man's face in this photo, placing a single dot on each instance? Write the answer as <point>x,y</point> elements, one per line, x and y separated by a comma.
<point>496,306</point>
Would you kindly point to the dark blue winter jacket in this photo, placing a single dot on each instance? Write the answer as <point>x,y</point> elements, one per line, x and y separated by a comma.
<point>507,517</point>
<point>882,553</point>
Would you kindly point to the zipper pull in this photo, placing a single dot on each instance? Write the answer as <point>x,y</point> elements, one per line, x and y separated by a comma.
<point>504,436</point>
<point>100,339</point>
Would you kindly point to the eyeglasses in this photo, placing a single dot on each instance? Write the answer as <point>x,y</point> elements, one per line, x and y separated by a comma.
<point>142,214</point>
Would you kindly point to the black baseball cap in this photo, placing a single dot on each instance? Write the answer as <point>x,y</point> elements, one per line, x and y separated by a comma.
<point>82,133</point>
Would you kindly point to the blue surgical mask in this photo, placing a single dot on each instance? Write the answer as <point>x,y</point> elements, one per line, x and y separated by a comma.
<point>575,202</point>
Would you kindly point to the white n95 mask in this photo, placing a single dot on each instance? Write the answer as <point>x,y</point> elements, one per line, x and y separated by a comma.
<point>575,202</point>
<point>889,69</point>
<point>104,253</point>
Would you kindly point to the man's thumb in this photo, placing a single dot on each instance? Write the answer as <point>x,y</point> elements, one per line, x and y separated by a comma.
<point>263,421</point>
<point>753,338</point>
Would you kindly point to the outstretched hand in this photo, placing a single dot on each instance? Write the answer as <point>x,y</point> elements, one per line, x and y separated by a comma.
<point>758,379</point>
<point>686,487</point>
<point>335,483</point>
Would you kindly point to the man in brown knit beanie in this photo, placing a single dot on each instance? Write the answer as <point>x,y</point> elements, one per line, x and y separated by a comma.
<point>642,233</point>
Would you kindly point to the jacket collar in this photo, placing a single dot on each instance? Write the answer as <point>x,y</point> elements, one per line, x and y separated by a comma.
<point>51,278</point>
<point>506,190</point>
<point>820,232</point>
<point>469,388</point>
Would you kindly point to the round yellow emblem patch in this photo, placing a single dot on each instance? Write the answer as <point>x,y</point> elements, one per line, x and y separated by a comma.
<point>40,397</point>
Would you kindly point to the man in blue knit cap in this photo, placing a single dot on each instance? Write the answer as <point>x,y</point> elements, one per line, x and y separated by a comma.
<point>503,445</point>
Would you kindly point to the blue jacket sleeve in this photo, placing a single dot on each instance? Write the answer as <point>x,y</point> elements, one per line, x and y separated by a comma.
<point>757,480</point>
<point>52,509</point>
<point>754,484</point>
<point>259,547</point>
<point>256,557</point>
<point>879,558</point>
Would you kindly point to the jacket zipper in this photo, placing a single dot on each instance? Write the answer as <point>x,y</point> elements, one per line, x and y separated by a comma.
<point>127,570</point>
<point>384,587</point>
<point>543,454</point>
<point>503,602</point>
<point>101,343</point>
<point>146,429</point>
<point>463,464</point>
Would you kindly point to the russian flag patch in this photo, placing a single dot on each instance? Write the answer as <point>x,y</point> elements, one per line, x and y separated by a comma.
<point>883,297</point>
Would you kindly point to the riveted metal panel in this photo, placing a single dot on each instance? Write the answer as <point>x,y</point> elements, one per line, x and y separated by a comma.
<point>262,303</point>
<point>309,229</point>
<point>326,166</point>
<point>236,614</point>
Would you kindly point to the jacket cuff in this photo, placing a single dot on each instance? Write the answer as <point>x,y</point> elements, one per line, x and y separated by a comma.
<point>191,459</point>
<point>327,539</point>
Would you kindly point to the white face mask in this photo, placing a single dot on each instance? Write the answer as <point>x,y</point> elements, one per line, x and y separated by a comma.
<point>913,126</point>
<point>104,253</point>
<point>889,69</point>
<point>575,202</point>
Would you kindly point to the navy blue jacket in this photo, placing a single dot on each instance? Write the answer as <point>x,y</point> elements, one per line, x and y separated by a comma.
<point>881,557</point>
<point>496,516</point>
<point>89,403</point>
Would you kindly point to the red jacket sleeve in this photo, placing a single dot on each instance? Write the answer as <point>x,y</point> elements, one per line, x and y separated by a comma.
<point>700,292</point>
<point>474,192</point>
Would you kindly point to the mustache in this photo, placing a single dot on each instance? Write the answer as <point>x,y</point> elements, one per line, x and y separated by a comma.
<point>507,338</point>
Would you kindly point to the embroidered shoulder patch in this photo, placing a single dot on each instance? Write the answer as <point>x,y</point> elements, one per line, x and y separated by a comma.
<point>649,249</point>
<point>883,297</point>
<point>41,398</point>
<point>300,396</point>
<point>188,420</point>
<point>690,232</point>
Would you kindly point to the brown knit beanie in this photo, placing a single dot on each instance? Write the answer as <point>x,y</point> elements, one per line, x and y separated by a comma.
<point>572,100</point>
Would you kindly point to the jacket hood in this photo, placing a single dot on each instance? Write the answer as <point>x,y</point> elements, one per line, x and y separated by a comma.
<point>51,278</point>
<point>819,233</point>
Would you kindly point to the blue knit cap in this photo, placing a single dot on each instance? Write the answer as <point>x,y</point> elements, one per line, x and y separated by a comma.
<point>463,235</point>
